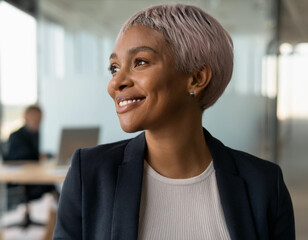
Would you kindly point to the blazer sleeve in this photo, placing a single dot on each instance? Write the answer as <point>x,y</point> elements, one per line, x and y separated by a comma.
<point>284,226</point>
<point>69,216</point>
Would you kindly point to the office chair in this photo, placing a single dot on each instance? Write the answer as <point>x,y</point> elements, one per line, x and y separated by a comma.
<point>19,193</point>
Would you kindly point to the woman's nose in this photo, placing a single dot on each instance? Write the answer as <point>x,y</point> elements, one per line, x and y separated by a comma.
<point>121,81</point>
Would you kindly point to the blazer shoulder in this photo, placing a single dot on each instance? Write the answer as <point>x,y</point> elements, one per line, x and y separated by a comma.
<point>250,162</point>
<point>254,169</point>
<point>241,155</point>
<point>236,161</point>
<point>107,147</point>
<point>104,153</point>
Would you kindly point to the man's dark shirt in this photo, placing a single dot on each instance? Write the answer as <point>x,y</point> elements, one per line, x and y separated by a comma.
<point>23,145</point>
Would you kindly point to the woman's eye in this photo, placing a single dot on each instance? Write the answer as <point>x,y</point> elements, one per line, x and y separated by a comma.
<point>113,69</point>
<point>140,62</point>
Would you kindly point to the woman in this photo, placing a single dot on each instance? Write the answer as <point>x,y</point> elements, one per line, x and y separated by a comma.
<point>174,180</point>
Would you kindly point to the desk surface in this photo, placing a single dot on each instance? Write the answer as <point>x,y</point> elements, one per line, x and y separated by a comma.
<point>32,173</point>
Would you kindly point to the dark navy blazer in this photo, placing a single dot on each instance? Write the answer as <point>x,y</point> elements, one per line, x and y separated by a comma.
<point>100,198</point>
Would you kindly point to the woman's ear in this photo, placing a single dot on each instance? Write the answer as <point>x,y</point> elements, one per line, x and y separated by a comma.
<point>199,80</point>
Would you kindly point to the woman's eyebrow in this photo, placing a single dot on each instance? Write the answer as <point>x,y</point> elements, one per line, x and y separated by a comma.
<point>141,49</point>
<point>135,50</point>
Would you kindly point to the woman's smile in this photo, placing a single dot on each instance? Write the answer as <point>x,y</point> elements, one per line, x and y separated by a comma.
<point>126,103</point>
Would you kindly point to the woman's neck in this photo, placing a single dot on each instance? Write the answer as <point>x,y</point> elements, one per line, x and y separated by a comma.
<point>179,150</point>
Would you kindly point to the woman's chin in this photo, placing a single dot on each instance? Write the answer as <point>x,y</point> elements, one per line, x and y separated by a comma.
<point>130,128</point>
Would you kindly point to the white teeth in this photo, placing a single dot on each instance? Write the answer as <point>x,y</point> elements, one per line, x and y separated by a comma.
<point>125,102</point>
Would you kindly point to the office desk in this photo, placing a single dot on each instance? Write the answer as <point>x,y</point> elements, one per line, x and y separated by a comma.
<point>30,172</point>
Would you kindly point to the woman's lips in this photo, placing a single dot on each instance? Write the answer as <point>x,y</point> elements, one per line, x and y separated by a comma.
<point>126,104</point>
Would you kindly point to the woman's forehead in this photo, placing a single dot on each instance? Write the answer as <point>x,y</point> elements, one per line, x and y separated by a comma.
<point>140,36</point>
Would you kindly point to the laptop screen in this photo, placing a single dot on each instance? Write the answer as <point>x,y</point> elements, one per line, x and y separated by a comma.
<point>74,138</point>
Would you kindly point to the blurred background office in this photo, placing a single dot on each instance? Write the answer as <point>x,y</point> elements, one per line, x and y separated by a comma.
<point>55,54</point>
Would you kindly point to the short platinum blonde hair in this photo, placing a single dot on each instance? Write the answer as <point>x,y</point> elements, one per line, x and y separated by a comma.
<point>196,40</point>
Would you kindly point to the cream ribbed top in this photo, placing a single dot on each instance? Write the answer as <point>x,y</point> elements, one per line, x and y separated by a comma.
<point>181,209</point>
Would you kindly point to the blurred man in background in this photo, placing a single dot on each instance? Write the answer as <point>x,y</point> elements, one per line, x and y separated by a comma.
<point>23,145</point>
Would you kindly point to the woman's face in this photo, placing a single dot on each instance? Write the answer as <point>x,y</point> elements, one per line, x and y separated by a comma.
<point>148,91</point>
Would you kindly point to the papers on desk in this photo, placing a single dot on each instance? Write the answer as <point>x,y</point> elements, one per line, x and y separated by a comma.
<point>12,168</point>
<point>58,171</point>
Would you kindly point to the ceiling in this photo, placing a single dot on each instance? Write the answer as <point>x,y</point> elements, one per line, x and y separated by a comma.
<point>103,16</point>
<point>237,16</point>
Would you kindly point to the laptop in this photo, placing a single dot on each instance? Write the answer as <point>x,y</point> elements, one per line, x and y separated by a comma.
<point>73,139</point>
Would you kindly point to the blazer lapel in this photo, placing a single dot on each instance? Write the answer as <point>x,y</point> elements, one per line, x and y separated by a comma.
<point>232,191</point>
<point>128,191</point>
